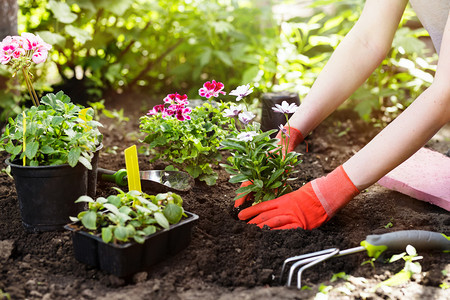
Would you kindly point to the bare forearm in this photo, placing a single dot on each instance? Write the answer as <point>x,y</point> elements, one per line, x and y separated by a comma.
<point>400,139</point>
<point>356,57</point>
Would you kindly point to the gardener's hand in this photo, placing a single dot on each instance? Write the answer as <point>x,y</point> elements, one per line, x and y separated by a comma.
<point>292,137</point>
<point>295,138</point>
<point>308,207</point>
<point>248,197</point>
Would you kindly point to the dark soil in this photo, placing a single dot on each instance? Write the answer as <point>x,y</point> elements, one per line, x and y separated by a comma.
<point>227,258</point>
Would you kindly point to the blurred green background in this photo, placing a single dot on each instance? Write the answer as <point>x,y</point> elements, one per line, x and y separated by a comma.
<point>155,47</point>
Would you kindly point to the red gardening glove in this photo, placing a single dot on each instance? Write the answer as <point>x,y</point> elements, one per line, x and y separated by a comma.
<point>308,207</point>
<point>296,138</point>
<point>240,201</point>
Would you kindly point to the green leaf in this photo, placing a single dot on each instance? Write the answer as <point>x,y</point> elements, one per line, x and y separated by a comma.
<point>121,233</point>
<point>73,156</point>
<point>224,57</point>
<point>275,175</point>
<point>84,198</point>
<point>173,213</point>
<point>259,183</point>
<point>238,178</point>
<point>89,220</point>
<point>107,234</point>
<point>233,145</point>
<point>161,220</point>
<point>31,149</point>
<point>112,208</point>
<point>52,38</point>
<point>79,34</point>
<point>62,12</point>
<point>83,160</point>
<point>250,74</point>
<point>114,200</point>
<point>139,239</point>
<point>149,230</point>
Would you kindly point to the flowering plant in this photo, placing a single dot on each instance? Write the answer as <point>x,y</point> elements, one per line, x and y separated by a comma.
<point>257,158</point>
<point>53,131</point>
<point>18,52</point>
<point>188,138</point>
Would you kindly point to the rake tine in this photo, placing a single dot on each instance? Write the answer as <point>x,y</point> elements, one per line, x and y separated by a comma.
<point>301,257</point>
<point>305,258</point>
<point>320,259</point>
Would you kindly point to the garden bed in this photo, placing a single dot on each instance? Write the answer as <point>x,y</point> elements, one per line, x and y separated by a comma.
<point>228,259</point>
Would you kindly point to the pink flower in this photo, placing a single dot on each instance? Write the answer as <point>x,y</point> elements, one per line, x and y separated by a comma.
<point>34,42</point>
<point>211,89</point>
<point>176,99</point>
<point>27,45</point>
<point>156,109</point>
<point>183,114</point>
<point>39,56</point>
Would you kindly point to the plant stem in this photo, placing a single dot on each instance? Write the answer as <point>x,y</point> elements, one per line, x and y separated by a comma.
<point>30,87</point>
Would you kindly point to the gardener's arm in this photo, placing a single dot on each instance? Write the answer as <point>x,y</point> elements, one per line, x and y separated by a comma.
<point>318,200</point>
<point>355,58</point>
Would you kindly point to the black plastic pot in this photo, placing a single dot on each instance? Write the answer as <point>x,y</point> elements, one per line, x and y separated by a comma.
<point>47,194</point>
<point>127,259</point>
<point>271,119</point>
<point>92,174</point>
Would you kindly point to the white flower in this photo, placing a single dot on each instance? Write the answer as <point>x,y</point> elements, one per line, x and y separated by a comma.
<point>285,108</point>
<point>233,111</point>
<point>246,136</point>
<point>284,130</point>
<point>245,117</point>
<point>242,91</point>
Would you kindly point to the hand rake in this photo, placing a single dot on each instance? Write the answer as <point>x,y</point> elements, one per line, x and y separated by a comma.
<point>374,244</point>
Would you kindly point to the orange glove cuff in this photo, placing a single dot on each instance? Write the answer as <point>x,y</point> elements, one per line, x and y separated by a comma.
<point>334,190</point>
<point>295,138</point>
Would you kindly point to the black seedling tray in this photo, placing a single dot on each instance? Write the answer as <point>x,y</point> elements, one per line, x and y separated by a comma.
<point>126,259</point>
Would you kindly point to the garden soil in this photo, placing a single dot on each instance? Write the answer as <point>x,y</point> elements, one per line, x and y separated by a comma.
<point>227,258</point>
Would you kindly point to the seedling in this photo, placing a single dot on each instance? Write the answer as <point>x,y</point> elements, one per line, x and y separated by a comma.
<point>409,269</point>
<point>130,216</point>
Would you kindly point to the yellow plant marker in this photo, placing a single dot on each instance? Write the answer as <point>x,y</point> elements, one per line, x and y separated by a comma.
<point>24,138</point>
<point>131,163</point>
<point>82,115</point>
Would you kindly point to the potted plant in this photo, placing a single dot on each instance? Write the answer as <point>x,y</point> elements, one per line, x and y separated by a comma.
<point>188,139</point>
<point>128,232</point>
<point>51,144</point>
<point>259,159</point>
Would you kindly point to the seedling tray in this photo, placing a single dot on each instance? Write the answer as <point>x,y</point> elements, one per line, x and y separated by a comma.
<point>126,259</point>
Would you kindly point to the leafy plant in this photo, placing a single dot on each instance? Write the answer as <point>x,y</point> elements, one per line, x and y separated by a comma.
<point>306,44</point>
<point>4,295</point>
<point>130,216</point>
<point>56,132</point>
<point>259,159</point>
<point>411,267</point>
<point>188,139</point>
<point>132,43</point>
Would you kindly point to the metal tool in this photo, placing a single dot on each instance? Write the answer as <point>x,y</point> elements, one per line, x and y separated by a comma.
<point>374,244</point>
<point>156,181</point>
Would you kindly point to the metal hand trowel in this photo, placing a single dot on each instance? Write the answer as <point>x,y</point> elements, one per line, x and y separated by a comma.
<point>157,181</point>
<point>152,181</point>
